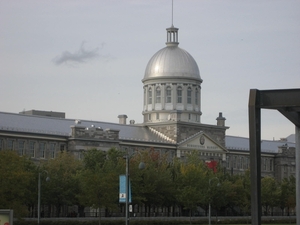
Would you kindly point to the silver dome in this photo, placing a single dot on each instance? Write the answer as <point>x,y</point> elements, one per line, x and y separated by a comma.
<point>172,62</point>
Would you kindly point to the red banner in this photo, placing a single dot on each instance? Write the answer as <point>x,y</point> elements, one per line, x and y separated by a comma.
<point>212,165</point>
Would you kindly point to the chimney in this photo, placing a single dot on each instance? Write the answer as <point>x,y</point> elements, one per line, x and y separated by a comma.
<point>131,122</point>
<point>221,120</point>
<point>122,119</point>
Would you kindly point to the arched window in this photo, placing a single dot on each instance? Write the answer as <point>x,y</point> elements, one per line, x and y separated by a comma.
<point>179,95</point>
<point>149,96</point>
<point>196,96</point>
<point>189,95</point>
<point>158,95</point>
<point>168,95</point>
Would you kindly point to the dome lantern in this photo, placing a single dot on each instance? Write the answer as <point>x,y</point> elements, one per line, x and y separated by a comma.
<point>172,36</point>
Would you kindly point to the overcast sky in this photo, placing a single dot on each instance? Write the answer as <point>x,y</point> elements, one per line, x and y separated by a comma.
<point>87,58</point>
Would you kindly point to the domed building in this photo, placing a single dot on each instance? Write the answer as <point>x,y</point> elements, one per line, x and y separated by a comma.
<point>172,124</point>
<point>172,84</point>
<point>172,98</point>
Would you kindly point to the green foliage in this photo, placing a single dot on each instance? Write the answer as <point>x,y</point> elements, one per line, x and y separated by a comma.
<point>63,186</point>
<point>192,183</point>
<point>287,193</point>
<point>237,192</point>
<point>99,179</point>
<point>16,174</point>
<point>94,182</point>
<point>269,193</point>
<point>155,178</point>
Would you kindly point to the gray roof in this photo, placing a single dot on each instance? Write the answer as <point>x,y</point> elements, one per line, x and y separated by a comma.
<point>61,127</point>
<point>172,62</point>
<point>242,144</point>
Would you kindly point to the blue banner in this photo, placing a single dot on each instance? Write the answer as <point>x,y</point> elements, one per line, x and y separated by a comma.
<point>122,188</point>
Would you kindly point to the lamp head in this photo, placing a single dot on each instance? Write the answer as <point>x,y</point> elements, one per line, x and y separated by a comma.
<point>142,165</point>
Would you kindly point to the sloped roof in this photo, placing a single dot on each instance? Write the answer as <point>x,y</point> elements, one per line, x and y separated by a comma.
<point>61,127</point>
<point>242,144</point>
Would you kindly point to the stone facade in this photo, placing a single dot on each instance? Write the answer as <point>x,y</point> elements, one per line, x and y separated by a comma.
<point>180,131</point>
<point>85,138</point>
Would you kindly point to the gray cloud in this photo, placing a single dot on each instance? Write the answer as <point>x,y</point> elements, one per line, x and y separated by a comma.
<point>81,56</point>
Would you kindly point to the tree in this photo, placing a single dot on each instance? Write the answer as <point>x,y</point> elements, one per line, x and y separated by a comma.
<point>237,193</point>
<point>269,193</point>
<point>192,188</point>
<point>99,179</point>
<point>152,186</point>
<point>287,195</point>
<point>15,178</point>
<point>63,187</point>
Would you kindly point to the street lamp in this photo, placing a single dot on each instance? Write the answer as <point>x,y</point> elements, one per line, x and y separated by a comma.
<point>39,194</point>
<point>209,206</point>
<point>141,166</point>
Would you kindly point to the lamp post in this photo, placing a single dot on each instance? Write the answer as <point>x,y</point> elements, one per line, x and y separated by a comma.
<point>39,195</point>
<point>141,166</point>
<point>209,205</point>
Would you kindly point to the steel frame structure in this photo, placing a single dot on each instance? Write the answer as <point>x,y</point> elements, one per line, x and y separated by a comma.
<point>287,102</point>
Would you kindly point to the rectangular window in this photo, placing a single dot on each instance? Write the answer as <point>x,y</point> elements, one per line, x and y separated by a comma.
<point>31,149</point>
<point>242,163</point>
<point>42,148</point>
<point>189,96</point>
<point>158,93</point>
<point>168,95</point>
<point>150,96</point>
<point>227,162</point>
<point>234,161</point>
<point>157,116</point>
<point>52,150</point>
<point>1,144</point>
<point>247,163</point>
<point>62,148</point>
<point>10,144</point>
<point>21,148</point>
<point>179,95</point>
<point>271,165</point>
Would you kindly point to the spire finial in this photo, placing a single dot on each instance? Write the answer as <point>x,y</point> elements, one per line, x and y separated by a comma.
<point>172,14</point>
<point>172,34</point>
